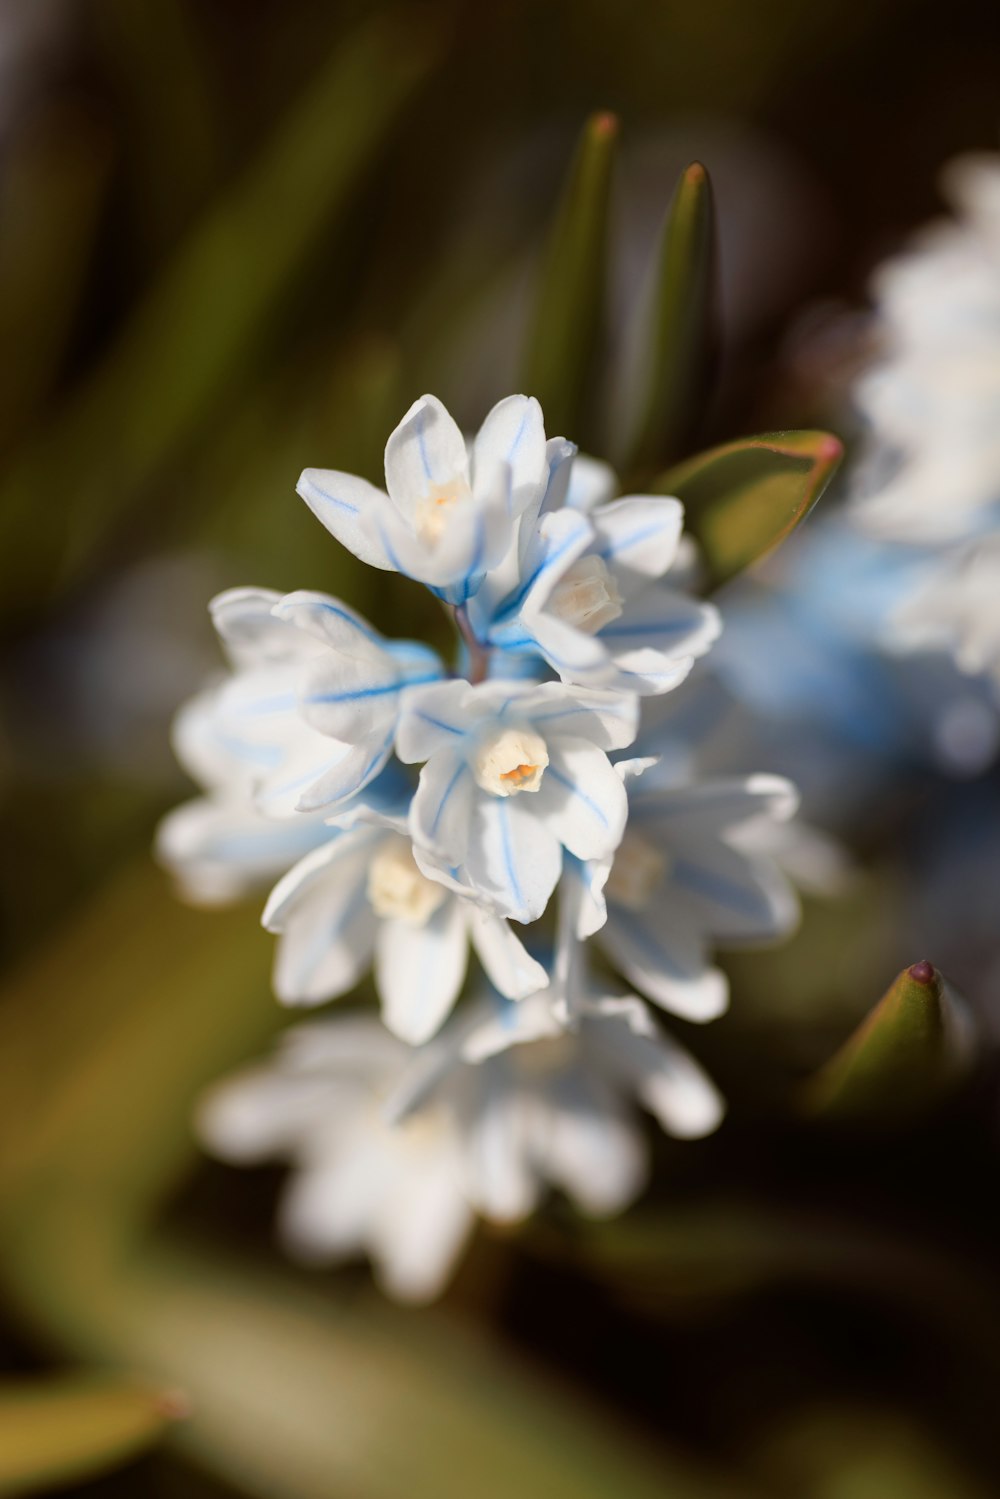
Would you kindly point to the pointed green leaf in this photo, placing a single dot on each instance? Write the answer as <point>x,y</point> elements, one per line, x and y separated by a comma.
<point>902,1057</point>
<point>678,324</point>
<point>566,327</point>
<point>64,1430</point>
<point>743,498</point>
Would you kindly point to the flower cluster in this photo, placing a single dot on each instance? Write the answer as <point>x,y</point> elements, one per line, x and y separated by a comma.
<point>932,480</point>
<point>410,815</point>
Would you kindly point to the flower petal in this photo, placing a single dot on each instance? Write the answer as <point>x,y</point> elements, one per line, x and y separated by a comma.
<point>437,718</point>
<point>590,1148</point>
<point>328,927</point>
<point>665,960</point>
<point>341,502</point>
<point>253,635</point>
<point>420,1230</point>
<point>419,971</point>
<point>501,1179</point>
<point>219,850</point>
<point>663,620</point>
<point>509,967</point>
<point>425,452</point>
<point>512,856</point>
<point>512,437</point>
<point>664,1077</point>
<point>582,799</point>
<point>608,719</point>
<point>637,538</point>
<point>441,809</point>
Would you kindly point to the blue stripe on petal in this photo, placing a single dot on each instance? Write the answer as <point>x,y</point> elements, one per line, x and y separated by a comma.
<point>572,787</point>
<point>507,849</point>
<point>715,887</point>
<point>446,796</point>
<point>634,538</point>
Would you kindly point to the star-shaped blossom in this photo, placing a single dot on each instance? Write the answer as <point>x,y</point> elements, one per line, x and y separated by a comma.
<point>446,517</point>
<point>685,879</point>
<point>396,1191</point>
<point>514,773</point>
<point>361,897</point>
<point>589,597</point>
<point>552,1097</point>
<point>313,703</point>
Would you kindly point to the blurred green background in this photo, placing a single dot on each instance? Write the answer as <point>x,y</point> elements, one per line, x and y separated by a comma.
<point>237,240</point>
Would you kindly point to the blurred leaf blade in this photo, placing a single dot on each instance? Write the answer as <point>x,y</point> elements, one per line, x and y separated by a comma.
<point>743,498</point>
<point>902,1057</point>
<point>678,325</point>
<point>53,194</point>
<point>565,331</point>
<point>108,1037</point>
<point>211,310</point>
<point>67,1429</point>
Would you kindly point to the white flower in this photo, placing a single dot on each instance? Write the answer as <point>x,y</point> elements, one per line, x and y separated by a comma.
<point>932,478</point>
<point>685,878</point>
<point>445,521</point>
<point>514,773</point>
<point>396,1192</point>
<point>315,698</point>
<point>589,598</point>
<point>551,1098</point>
<point>361,897</point>
<point>220,846</point>
<point>958,609</point>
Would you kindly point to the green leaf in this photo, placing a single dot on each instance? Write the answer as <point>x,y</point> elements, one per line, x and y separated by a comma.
<point>67,1429</point>
<point>675,359</point>
<point>211,313</point>
<point>902,1057</point>
<point>743,498</point>
<point>567,324</point>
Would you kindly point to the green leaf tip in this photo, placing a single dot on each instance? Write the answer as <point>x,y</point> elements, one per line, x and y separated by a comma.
<point>678,316</point>
<point>56,1430</point>
<point>565,331</point>
<point>906,1053</point>
<point>744,497</point>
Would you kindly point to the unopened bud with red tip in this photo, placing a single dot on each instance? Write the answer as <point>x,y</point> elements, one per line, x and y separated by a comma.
<point>911,1048</point>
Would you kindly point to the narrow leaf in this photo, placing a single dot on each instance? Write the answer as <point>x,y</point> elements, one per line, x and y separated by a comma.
<point>64,1430</point>
<point>566,327</point>
<point>901,1058</point>
<point>677,326</point>
<point>743,498</point>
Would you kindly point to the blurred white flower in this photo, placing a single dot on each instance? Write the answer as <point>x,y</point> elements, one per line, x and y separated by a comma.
<point>931,481</point>
<point>686,878</point>
<point>361,1185</point>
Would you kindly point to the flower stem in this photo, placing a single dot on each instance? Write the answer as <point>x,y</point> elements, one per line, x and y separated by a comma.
<point>479,655</point>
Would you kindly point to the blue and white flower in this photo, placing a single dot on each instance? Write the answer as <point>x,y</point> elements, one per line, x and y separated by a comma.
<point>361,898</point>
<point>514,773</point>
<point>446,516</point>
<point>686,878</point>
<point>590,599</point>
